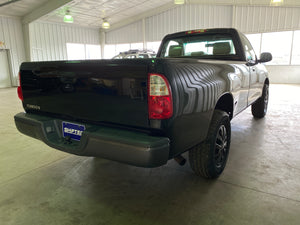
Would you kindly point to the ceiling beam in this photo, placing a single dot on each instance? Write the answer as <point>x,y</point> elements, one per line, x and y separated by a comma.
<point>8,2</point>
<point>49,7</point>
<point>144,15</point>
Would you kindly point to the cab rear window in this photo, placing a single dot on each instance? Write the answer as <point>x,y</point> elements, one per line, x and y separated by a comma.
<point>206,46</point>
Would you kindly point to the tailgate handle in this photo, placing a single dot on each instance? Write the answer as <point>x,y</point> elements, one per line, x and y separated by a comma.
<point>45,70</point>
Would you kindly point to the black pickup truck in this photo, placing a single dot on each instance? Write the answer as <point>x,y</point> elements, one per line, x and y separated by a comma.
<point>144,112</point>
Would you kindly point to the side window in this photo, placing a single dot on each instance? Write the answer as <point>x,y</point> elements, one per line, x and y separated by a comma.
<point>249,51</point>
<point>170,44</point>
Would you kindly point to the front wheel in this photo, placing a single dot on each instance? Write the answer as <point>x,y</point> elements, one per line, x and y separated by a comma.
<point>260,107</point>
<point>208,159</point>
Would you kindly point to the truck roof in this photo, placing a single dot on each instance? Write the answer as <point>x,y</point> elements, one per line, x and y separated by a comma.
<point>198,31</point>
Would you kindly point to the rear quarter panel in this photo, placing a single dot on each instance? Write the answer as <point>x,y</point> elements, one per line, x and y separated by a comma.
<point>196,87</point>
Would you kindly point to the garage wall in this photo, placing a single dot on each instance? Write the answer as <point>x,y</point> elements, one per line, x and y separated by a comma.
<point>250,19</point>
<point>48,40</point>
<point>187,17</point>
<point>12,36</point>
<point>284,74</point>
<point>176,19</point>
<point>128,34</point>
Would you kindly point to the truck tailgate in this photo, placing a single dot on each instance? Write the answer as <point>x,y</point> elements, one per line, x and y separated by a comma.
<point>102,91</point>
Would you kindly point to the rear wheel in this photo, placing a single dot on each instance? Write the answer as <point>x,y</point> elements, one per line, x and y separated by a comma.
<point>208,159</point>
<point>260,107</point>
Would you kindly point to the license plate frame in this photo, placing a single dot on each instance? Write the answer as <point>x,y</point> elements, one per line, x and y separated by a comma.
<point>72,130</point>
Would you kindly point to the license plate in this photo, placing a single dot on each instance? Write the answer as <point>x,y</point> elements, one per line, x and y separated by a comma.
<point>72,130</point>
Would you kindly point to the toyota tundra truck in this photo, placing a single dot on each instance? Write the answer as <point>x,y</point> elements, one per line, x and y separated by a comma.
<point>144,112</point>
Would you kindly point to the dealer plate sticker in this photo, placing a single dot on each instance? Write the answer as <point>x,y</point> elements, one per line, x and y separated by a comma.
<point>72,130</point>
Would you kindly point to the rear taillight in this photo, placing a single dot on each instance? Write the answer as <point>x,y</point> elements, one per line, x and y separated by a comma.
<point>160,104</point>
<point>19,90</point>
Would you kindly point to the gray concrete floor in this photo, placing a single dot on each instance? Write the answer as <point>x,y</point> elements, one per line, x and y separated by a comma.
<point>260,185</point>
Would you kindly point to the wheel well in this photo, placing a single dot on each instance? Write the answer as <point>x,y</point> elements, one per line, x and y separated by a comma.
<point>225,103</point>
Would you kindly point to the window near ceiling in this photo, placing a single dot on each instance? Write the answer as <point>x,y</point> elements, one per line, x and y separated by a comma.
<point>122,48</point>
<point>255,42</point>
<point>75,51</point>
<point>93,52</point>
<point>153,46</point>
<point>279,44</point>
<point>296,49</point>
<point>109,51</point>
<point>81,51</point>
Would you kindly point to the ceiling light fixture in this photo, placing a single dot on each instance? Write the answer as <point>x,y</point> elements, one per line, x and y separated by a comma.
<point>68,18</point>
<point>178,2</point>
<point>105,24</point>
<point>276,2</point>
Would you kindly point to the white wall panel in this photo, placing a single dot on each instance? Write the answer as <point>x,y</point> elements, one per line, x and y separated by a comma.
<point>189,16</point>
<point>255,19</point>
<point>131,33</point>
<point>284,74</point>
<point>186,17</point>
<point>248,19</point>
<point>11,34</point>
<point>48,40</point>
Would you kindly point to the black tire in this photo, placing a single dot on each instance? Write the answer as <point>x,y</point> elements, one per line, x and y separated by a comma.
<point>260,107</point>
<point>208,159</point>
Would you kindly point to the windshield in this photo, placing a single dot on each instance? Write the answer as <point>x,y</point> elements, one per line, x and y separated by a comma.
<point>200,46</point>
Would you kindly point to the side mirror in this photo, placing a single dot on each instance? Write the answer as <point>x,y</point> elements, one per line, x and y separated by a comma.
<point>265,57</point>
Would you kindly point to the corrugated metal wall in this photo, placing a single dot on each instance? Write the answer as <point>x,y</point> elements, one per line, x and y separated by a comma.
<point>131,33</point>
<point>248,19</point>
<point>187,17</point>
<point>48,40</point>
<point>12,36</point>
<point>184,17</point>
